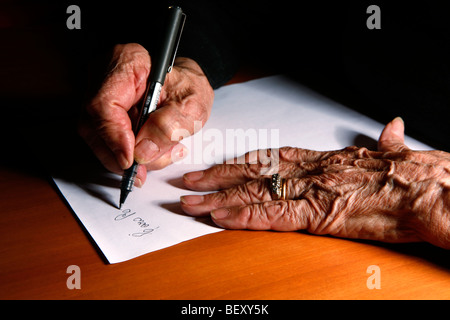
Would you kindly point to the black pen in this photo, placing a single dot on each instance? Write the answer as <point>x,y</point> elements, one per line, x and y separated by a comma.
<point>162,64</point>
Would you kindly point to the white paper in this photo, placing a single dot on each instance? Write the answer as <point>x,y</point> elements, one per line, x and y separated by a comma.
<point>270,112</point>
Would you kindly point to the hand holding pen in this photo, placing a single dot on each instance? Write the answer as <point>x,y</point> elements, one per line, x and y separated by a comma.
<point>107,125</point>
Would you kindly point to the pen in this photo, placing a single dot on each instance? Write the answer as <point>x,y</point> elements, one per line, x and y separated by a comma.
<point>163,64</point>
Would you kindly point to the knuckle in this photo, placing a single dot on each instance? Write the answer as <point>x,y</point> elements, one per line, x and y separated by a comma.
<point>282,215</point>
<point>222,170</point>
<point>194,110</point>
<point>253,191</point>
<point>363,153</point>
<point>242,193</point>
<point>167,123</point>
<point>129,53</point>
<point>245,217</point>
<point>293,216</point>
<point>218,199</point>
<point>194,104</point>
<point>129,61</point>
<point>252,170</point>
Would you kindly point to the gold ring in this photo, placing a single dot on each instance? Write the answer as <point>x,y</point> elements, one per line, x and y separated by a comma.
<point>278,187</point>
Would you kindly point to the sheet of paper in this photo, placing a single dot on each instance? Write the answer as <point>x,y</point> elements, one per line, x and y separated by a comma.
<point>270,112</point>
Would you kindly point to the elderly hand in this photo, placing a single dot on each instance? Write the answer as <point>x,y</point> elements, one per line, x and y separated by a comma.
<point>392,195</point>
<point>106,125</point>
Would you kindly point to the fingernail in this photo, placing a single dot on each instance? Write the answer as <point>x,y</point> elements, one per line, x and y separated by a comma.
<point>146,151</point>
<point>397,125</point>
<point>122,160</point>
<point>194,176</point>
<point>191,200</point>
<point>221,213</point>
<point>138,182</point>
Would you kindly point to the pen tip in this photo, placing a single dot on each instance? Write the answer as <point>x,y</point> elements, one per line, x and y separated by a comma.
<point>123,197</point>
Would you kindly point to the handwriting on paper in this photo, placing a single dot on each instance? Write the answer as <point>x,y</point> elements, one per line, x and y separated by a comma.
<point>144,227</point>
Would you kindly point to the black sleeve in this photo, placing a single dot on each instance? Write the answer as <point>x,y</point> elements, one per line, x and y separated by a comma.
<point>209,35</point>
<point>209,38</point>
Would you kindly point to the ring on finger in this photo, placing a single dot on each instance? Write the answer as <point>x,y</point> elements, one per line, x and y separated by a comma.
<point>278,187</point>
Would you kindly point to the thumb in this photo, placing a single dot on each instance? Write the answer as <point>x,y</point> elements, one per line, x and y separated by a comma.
<point>393,137</point>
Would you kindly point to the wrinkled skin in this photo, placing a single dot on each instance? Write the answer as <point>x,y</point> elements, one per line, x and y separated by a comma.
<point>392,195</point>
<point>106,123</point>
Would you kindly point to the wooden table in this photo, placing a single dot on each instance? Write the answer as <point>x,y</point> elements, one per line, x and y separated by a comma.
<point>41,238</point>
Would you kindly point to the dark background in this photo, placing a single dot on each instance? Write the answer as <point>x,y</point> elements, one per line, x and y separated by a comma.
<point>48,72</point>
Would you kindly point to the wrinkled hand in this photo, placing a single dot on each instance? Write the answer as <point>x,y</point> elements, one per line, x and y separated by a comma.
<point>392,195</point>
<point>106,124</point>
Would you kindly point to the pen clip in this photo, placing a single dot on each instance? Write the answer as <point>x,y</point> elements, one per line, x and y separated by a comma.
<point>180,31</point>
